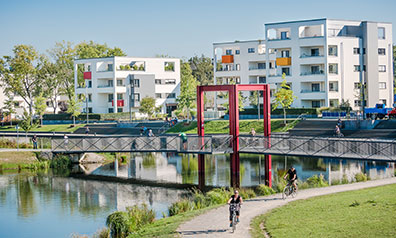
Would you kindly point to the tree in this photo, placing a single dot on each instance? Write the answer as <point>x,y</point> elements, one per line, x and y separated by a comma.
<point>74,108</point>
<point>9,108</point>
<point>40,106</point>
<point>91,49</point>
<point>202,69</point>
<point>51,83</point>
<point>26,124</point>
<point>147,106</point>
<point>283,97</point>
<point>188,90</point>
<point>394,69</point>
<point>241,100</point>
<point>18,75</point>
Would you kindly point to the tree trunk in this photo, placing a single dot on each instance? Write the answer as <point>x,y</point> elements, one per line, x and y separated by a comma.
<point>11,119</point>
<point>41,119</point>
<point>284,116</point>
<point>74,121</point>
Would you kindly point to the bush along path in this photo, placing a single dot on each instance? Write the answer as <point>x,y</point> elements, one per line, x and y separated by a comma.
<point>215,222</point>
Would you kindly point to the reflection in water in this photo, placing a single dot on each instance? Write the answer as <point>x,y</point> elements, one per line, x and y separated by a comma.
<point>35,202</point>
<point>183,168</point>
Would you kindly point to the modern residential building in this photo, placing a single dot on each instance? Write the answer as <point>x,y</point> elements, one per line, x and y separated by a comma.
<point>325,61</point>
<point>117,84</point>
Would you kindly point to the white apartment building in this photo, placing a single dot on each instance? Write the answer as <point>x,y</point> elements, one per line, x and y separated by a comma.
<point>325,61</point>
<point>117,84</point>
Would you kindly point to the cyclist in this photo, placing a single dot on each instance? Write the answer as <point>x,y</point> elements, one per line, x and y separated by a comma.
<point>292,172</point>
<point>235,199</point>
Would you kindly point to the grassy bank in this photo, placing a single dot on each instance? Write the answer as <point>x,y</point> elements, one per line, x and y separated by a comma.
<point>221,126</point>
<point>363,213</point>
<point>47,128</point>
<point>21,160</point>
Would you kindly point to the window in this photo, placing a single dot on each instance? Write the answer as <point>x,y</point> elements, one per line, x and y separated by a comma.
<point>284,35</point>
<point>333,102</point>
<point>381,51</point>
<point>286,71</point>
<point>315,69</point>
<point>364,51</point>
<point>315,52</point>
<point>333,68</point>
<point>89,97</point>
<point>285,53</point>
<point>228,52</point>
<point>356,51</point>
<point>89,84</point>
<point>382,85</point>
<point>120,109</point>
<point>171,95</point>
<point>383,101</point>
<point>251,50</point>
<point>110,97</point>
<point>356,68</point>
<point>262,80</point>
<point>315,87</point>
<point>89,109</point>
<point>120,82</point>
<point>261,65</point>
<point>357,103</point>
<point>170,81</point>
<point>110,83</point>
<point>136,97</point>
<point>111,110</point>
<point>356,85</point>
<point>110,67</point>
<point>332,50</point>
<point>381,68</point>
<point>158,81</point>
<point>238,67</point>
<point>381,33</point>
<point>364,68</point>
<point>158,95</point>
<point>135,83</point>
<point>120,96</point>
<point>89,68</point>
<point>333,86</point>
<point>315,104</point>
<point>237,52</point>
<point>169,66</point>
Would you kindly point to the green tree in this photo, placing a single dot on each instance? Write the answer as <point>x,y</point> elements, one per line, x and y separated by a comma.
<point>26,122</point>
<point>40,106</point>
<point>18,74</point>
<point>51,83</point>
<point>394,69</point>
<point>74,108</point>
<point>147,106</point>
<point>283,97</point>
<point>9,108</point>
<point>91,49</point>
<point>241,100</point>
<point>188,90</point>
<point>202,69</point>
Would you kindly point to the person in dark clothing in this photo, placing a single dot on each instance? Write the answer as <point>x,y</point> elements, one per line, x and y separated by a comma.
<point>236,199</point>
<point>292,173</point>
<point>34,140</point>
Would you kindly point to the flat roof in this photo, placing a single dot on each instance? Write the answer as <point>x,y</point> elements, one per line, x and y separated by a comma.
<point>133,57</point>
<point>320,19</point>
<point>237,41</point>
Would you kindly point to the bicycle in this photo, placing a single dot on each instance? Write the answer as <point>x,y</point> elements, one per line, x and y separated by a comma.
<point>233,209</point>
<point>289,190</point>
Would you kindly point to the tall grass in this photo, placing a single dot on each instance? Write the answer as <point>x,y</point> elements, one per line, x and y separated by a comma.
<point>5,143</point>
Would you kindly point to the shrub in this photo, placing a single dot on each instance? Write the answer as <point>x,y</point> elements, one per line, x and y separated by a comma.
<point>247,193</point>
<point>317,181</point>
<point>102,233</point>
<point>218,196</point>
<point>61,162</point>
<point>344,179</point>
<point>139,216</point>
<point>118,224</point>
<point>263,190</point>
<point>181,206</point>
<point>5,143</point>
<point>360,177</point>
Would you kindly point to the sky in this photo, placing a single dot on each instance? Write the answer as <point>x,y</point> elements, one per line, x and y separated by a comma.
<point>145,28</point>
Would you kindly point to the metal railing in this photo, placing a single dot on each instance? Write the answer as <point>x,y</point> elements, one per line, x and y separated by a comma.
<point>369,149</point>
<point>194,144</point>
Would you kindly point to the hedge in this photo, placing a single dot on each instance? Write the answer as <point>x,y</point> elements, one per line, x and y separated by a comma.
<point>290,111</point>
<point>67,116</point>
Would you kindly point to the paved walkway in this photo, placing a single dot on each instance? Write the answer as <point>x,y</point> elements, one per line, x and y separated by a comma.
<point>215,222</point>
<point>24,150</point>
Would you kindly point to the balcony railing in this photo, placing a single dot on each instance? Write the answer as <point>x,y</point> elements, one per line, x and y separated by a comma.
<point>309,56</point>
<point>312,73</point>
<point>256,68</point>
<point>105,86</point>
<point>120,103</point>
<point>283,61</point>
<point>312,91</point>
<point>278,75</point>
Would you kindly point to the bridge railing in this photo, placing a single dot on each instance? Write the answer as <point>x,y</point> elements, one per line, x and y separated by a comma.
<point>194,144</point>
<point>375,149</point>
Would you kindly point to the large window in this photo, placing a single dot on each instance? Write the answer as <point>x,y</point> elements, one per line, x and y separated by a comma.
<point>284,35</point>
<point>315,52</point>
<point>262,80</point>
<point>315,104</point>
<point>332,50</point>
<point>120,82</point>
<point>285,53</point>
<point>110,97</point>
<point>228,52</point>
<point>315,87</point>
<point>333,86</point>
<point>382,85</point>
<point>381,33</point>
<point>381,68</point>
<point>120,96</point>
<point>251,50</point>
<point>261,65</point>
<point>286,71</point>
<point>381,51</point>
<point>315,69</point>
<point>333,68</point>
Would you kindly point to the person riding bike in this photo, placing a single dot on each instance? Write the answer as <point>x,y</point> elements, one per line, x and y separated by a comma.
<point>292,173</point>
<point>235,199</point>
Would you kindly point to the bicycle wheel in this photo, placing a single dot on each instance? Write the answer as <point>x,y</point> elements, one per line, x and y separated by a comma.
<point>285,192</point>
<point>234,223</point>
<point>294,193</point>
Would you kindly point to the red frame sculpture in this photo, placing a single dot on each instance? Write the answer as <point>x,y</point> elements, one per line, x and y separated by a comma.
<point>233,91</point>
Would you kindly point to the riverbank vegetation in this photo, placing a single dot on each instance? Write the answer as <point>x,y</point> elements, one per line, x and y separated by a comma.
<point>47,128</point>
<point>222,126</point>
<point>358,213</point>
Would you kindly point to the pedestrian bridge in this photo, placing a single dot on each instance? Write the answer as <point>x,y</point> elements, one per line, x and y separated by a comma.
<point>343,148</point>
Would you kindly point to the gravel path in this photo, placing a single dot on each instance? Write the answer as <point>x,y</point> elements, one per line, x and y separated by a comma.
<point>215,222</point>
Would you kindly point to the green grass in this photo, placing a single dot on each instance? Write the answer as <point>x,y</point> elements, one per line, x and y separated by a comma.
<point>166,227</point>
<point>363,213</point>
<point>47,128</point>
<point>222,126</point>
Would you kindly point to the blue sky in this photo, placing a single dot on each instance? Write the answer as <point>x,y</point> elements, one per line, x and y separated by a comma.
<point>173,27</point>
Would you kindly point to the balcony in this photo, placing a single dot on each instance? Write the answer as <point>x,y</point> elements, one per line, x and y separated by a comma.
<point>311,91</point>
<point>309,56</point>
<point>284,61</point>
<point>88,75</point>
<point>256,68</point>
<point>321,72</point>
<point>120,103</point>
<point>105,86</point>
<point>227,59</point>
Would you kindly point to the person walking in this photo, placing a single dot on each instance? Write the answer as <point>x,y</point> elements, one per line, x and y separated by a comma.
<point>252,132</point>
<point>87,130</point>
<point>34,140</point>
<point>150,133</point>
<point>65,140</point>
<point>183,138</point>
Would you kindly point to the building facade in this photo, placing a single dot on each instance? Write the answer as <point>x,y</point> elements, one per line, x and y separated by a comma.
<point>325,61</point>
<point>118,84</point>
